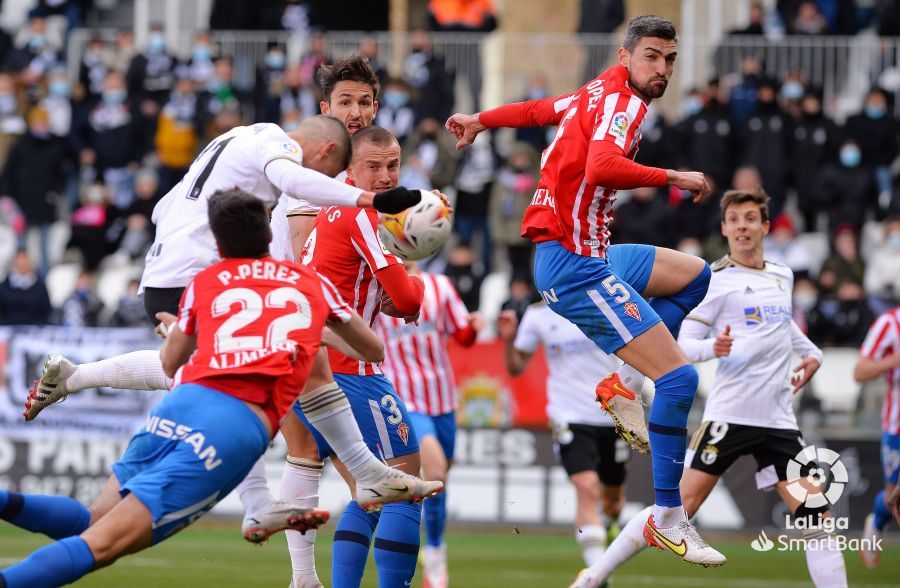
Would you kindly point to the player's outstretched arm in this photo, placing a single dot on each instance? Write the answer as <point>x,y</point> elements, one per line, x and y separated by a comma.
<point>178,346</point>
<point>531,113</point>
<point>359,337</point>
<point>404,293</point>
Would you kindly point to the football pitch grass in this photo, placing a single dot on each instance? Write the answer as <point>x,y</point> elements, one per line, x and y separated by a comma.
<point>213,554</point>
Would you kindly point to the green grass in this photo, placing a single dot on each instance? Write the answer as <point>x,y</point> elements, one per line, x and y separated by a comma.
<point>215,555</point>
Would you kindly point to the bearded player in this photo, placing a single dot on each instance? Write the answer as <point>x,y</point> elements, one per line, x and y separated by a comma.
<point>602,289</point>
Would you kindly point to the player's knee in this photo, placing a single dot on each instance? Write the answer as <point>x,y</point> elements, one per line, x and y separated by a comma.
<point>682,384</point>
<point>587,487</point>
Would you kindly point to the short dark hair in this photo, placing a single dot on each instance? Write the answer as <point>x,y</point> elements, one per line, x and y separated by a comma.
<point>758,197</point>
<point>375,135</point>
<point>240,223</point>
<point>352,68</point>
<point>341,137</point>
<point>648,25</point>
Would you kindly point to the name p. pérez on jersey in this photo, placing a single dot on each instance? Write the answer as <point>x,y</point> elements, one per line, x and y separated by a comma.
<point>259,270</point>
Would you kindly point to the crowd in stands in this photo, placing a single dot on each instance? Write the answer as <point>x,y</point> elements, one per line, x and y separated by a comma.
<point>89,158</point>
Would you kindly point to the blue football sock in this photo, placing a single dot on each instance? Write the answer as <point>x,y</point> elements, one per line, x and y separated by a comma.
<point>56,564</point>
<point>55,516</point>
<point>668,431</point>
<point>397,544</point>
<point>881,511</point>
<point>350,550</point>
<point>435,509</point>
<point>673,309</point>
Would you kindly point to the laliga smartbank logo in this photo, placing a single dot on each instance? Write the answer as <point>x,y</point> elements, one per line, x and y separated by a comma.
<point>816,478</point>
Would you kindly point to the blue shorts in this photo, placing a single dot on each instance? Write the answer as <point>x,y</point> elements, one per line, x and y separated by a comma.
<point>890,457</point>
<point>197,446</point>
<point>442,427</point>
<point>600,296</point>
<point>381,415</point>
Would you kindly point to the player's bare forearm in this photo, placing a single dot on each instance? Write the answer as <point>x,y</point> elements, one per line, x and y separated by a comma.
<point>300,226</point>
<point>176,350</point>
<point>868,369</point>
<point>516,361</point>
<point>357,334</point>
<point>330,339</point>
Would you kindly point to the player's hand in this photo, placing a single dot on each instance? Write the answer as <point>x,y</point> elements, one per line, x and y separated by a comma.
<point>166,320</point>
<point>692,181</point>
<point>507,323</point>
<point>443,198</point>
<point>893,503</point>
<point>476,321</point>
<point>724,341</point>
<point>465,127</point>
<point>388,308</point>
<point>396,200</point>
<point>803,373</point>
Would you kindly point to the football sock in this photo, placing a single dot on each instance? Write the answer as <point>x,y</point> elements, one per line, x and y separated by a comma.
<point>138,370</point>
<point>328,410</point>
<point>253,489</point>
<point>300,483</point>
<point>881,511</point>
<point>629,543</point>
<point>350,549</point>
<point>435,511</point>
<point>592,540</point>
<point>54,516</point>
<point>668,432</point>
<point>824,559</point>
<point>397,541</point>
<point>673,309</point>
<point>54,565</point>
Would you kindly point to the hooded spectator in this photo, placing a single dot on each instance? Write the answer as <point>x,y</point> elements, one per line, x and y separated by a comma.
<point>846,187</point>
<point>83,307</point>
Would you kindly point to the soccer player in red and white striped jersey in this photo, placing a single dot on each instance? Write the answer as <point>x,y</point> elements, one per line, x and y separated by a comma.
<point>880,354</point>
<point>417,362</point>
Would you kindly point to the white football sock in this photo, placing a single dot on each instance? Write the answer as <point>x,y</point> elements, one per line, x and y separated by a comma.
<point>633,379</point>
<point>300,484</point>
<point>138,370</point>
<point>629,543</point>
<point>253,489</point>
<point>592,539</point>
<point>824,560</point>
<point>328,410</point>
<point>665,516</point>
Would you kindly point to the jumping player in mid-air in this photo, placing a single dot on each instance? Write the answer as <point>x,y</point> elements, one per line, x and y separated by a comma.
<point>602,289</point>
<point>231,393</point>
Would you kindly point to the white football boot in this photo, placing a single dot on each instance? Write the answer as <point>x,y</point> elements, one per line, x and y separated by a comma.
<point>279,516</point>
<point>626,410</point>
<point>51,387</point>
<point>393,485</point>
<point>684,541</point>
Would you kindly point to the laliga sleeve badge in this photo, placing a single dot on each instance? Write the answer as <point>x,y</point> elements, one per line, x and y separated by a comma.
<point>403,432</point>
<point>631,309</point>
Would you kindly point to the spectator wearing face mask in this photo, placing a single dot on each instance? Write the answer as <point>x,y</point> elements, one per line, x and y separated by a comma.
<point>706,137</point>
<point>539,137</point>
<point>882,278</point>
<point>813,143</point>
<point>200,66</point>
<point>108,139</point>
<point>150,78</point>
<point>32,183</point>
<point>92,70</point>
<point>876,132</point>
<point>31,43</point>
<point>23,295</point>
<point>394,110</point>
<point>83,307</point>
<point>521,296</point>
<point>177,132</point>
<point>57,104</point>
<point>844,263</point>
<point>223,97</point>
<point>134,230</point>
<point>294,103</point>
<point>843,318</point>
<point>765,144</point>
<point>426,73</point>
<point>846,187</point>
<point>805,297</point>
<point>130,309</point>
<point>510,196</point>
<point>12,123</point>
<point>91,223</point>
<point>461,271</point>
<point>429,155</point>
<point>270,78</point>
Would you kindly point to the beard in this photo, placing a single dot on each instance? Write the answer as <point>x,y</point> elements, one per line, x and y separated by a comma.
<point>654,88</point>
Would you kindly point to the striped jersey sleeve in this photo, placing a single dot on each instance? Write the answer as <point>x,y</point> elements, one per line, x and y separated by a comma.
<point>619,120</point>
<point>364,237</point>
<point>338,309</point>
<point>455,315</point>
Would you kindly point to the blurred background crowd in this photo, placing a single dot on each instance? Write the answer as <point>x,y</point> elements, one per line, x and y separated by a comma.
<point>94,132</point>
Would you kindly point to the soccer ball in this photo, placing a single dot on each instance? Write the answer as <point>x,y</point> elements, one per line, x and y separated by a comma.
<point>419,231</point>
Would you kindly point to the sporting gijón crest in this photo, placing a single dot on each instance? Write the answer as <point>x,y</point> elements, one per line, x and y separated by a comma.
<point>631,309</point>
<point>403,431</point>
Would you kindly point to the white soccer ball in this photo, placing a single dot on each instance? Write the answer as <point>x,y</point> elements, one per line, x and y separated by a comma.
<point>419,231</point>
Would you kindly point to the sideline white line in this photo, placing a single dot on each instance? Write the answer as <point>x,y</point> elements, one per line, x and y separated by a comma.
<point>630,580</point>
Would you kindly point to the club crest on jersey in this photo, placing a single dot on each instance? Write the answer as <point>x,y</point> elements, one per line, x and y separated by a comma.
<point>619,125</point>
<point>631,309</point>
<point>753,316</point>
<point>403,432</point>
<point>709,455</point>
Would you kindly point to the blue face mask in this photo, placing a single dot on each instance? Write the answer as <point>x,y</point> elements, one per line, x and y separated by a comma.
<point>792,90</point>
<point>894,241</point>
<point>275,60</point>
<point>850,156</point>
<point>59,88</point>
<point>114,96</point>
<point>156,43</point>
<point>201,53</point>
<point>37,42</point>
<point>876,112</point>
<point>395,98</point>
<point>692,105</point>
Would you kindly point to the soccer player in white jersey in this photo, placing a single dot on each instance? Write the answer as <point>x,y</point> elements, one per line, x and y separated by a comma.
<point>745,321</point>
<point>416,361</point>
<point>591,452</point>
<point>880,355</point>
